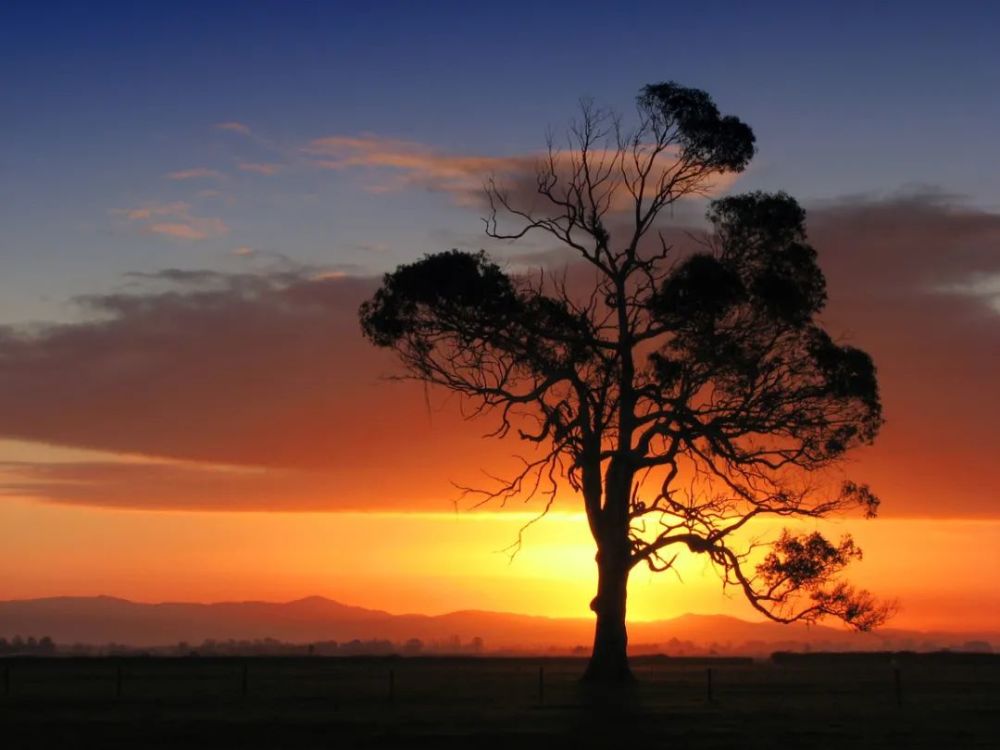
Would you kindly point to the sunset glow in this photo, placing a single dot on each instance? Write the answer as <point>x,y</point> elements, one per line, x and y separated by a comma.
<point>520,374</point>
<point>440,562</point>
<point>188,410</point>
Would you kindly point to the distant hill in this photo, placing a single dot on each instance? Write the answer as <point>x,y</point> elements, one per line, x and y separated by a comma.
<point>102,619</point>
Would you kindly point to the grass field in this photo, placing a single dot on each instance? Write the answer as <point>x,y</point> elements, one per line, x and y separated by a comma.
<point>841,702</point>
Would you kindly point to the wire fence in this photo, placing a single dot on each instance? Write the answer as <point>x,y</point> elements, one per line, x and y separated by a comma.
<point>545,683</point>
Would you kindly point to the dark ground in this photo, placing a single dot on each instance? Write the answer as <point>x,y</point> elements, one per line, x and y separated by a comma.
<point>842,702</point>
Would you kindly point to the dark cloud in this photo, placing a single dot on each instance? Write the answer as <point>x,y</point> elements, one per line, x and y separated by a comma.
<point>263,370</point>
<point>260,393</point>
<point>895,268</point>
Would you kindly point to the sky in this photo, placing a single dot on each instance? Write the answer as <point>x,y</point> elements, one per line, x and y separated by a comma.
<point>195,197</point>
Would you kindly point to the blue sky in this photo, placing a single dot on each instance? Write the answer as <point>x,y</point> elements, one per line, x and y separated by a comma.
<point>105,99</point>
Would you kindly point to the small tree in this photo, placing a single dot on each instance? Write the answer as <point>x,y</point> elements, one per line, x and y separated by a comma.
<point>680,393</point>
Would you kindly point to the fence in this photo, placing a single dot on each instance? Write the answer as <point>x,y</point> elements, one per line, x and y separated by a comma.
<point>540,682</point>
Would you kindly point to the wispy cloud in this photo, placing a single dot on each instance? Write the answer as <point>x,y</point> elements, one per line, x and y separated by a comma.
<point>410,164</point>
<point>403,164</point>
<point>260,168</point>
<point>979,285</point>
<point>234,127</point>
<point>196,229</point>
<point>175,220</point>
<point>196,173</point>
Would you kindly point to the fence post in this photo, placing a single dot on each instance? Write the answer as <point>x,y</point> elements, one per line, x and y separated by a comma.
<point>6,680</point>
<point>541,684</point>
<point>708,684</point>
<point>898,681</point>
<point>244,687</point>
<point>392,685</point>
<point>118,682</point>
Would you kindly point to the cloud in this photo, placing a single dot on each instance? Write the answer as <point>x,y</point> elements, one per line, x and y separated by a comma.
<point>195,174</point>
<point>186,485</point>
<point>985,286</point>
<point>260,371</point>
<point>234,127</point>
<point>175,220</point>
<point>409,164</point>
<point>259,391</point>
<point>152,210</point>
<point>401,164</point>
<point>261,168</point>
<point>195,229</point>
<point>906,282</point>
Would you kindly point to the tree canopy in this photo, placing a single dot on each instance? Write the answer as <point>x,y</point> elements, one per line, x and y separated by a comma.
<point>680,391</point>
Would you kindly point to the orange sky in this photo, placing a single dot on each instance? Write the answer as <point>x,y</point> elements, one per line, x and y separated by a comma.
<point>941,571</point>
<point>229,436</point>
<point>195,203</point>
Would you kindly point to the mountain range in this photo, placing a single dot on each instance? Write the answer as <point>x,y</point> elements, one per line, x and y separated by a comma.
<point>102,620</point>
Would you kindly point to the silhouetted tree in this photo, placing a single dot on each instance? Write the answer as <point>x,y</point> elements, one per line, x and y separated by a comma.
<point>681,393</point>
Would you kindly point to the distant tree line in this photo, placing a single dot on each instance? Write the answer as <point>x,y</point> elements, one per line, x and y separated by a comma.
<point>454,645</point>
<point>357,647</point>
<point>29,646</point>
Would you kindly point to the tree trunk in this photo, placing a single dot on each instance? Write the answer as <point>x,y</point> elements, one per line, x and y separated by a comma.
<point>609,659</point>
